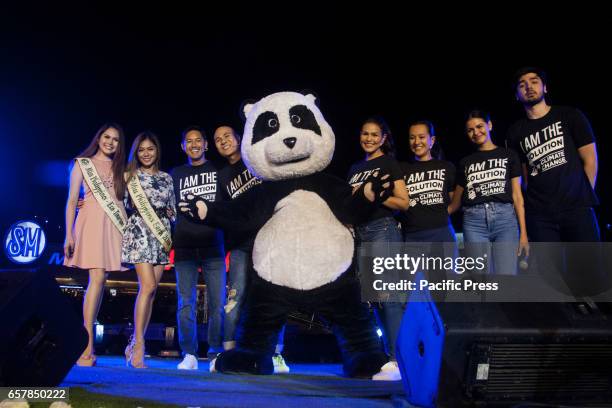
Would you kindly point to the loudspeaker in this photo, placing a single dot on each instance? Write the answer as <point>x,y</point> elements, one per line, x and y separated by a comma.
<point>483,354</point>
<point>42,336</point>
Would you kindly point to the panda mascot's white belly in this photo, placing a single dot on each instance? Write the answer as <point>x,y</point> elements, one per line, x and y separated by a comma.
<point>303,246</point>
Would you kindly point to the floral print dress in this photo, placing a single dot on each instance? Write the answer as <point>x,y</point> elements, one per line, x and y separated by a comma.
<point>139,244</point>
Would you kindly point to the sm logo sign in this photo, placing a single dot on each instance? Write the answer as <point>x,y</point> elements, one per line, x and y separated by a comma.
<point>24,243</point>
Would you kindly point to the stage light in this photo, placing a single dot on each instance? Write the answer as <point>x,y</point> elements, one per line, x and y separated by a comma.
<point>379,332</point>
<point>99,333</point>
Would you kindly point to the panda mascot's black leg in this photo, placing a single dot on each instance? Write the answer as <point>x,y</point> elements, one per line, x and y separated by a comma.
<point>261,319</point>
<point>354,327</point>
<point>240,361</point>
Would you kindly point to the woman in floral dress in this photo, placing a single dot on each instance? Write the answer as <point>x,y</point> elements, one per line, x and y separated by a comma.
<point>140,245</point>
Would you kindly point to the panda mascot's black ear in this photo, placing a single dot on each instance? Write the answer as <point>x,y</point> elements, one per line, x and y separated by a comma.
<point>311,95</point>
<point>246,107</point>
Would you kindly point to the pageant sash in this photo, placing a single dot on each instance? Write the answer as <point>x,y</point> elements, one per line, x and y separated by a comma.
<point>101,194</point>
<point>148,213</point>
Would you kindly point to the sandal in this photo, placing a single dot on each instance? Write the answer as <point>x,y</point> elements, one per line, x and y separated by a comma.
<point>129,350</point>
<point>138,354</point>
<point>88,360</point>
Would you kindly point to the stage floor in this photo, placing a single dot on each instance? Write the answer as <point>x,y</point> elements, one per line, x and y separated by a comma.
<point>308,385</point>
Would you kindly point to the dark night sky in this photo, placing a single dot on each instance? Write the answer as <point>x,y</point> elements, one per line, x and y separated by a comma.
<point>63,74</point>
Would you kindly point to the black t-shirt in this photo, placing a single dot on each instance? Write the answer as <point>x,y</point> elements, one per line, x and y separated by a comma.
<point>486,176</point>
<point>235,179</point>
<point>360,172</point>
<point>200,181</point>
<point>428,184</point>
<point>549,146</point>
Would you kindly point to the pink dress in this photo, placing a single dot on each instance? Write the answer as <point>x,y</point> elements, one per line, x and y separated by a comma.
<point>97,242</point>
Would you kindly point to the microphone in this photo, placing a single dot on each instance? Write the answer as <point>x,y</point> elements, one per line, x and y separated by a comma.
<point>523,263</point>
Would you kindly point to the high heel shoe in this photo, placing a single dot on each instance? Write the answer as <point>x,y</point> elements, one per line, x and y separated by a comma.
<point>129,350</point>
<point>138,353</point>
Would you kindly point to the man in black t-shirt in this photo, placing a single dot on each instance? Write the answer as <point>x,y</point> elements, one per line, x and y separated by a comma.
<point>234,180</point>
<point>198,246</point>
<point>557,149</point>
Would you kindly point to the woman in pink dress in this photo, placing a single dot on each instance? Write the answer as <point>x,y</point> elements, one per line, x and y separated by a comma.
<point>93,242</point>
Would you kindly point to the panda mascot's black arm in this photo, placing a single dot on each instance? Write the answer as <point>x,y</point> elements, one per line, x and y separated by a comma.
<point>352,208</point>
<point>243,215</point>
<point>250,211</point>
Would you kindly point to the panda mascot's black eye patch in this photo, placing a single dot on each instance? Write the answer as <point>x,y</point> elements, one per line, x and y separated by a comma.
<point>266,125</point>
<point>302,118</point>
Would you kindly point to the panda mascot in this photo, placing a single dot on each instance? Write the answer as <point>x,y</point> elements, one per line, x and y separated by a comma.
<point>304,250</point>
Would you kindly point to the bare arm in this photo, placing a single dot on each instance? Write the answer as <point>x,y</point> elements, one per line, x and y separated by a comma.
<point>399,200</point>
<point>519,208</point>
<point>588,154</point>
<point>76,179</point>
<point>525,175</point>
<point>455,199</point>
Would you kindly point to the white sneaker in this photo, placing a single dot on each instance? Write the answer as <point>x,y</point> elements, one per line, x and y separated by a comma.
<point>211,365</point>
<point>280,367</point>
<point>190,362</point>
<point>388,372</point>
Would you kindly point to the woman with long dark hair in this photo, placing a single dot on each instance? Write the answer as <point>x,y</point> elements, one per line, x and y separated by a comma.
<point>489,188</point>
<point>146,242</point>
<point>377,143</point>
<point>93,241</point>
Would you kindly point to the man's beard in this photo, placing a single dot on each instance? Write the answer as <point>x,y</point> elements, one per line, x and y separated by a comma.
<point>533,102</point>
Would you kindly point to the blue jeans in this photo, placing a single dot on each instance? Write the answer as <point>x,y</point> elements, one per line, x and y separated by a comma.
<point>384,230</point>
<point>438,234</point>
<point>440,241</point>
<point>239,272</point>
<point>186,281</point>
<point>492,222</point>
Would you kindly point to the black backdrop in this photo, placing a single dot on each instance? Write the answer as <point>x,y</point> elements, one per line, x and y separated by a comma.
<point>63,72</point>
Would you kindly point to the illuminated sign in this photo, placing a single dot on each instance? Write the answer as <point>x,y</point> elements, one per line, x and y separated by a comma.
<point>24,242</point>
